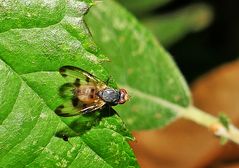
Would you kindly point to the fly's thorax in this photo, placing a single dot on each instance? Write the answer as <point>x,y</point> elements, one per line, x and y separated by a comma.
<point>110,96</point>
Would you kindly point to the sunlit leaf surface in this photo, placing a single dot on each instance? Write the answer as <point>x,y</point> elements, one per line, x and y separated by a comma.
<point>36,39</point>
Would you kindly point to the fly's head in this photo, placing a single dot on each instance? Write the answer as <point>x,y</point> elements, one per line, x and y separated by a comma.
<point>123,96</point>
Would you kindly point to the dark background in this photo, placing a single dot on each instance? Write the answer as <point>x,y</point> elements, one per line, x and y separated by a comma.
<point>217,44</point>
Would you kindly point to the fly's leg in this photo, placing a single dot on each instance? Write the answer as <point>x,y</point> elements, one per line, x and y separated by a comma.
<point>108,80</point>
<point>92,109</point>
<point>65,137</point>
<point>87,111</point>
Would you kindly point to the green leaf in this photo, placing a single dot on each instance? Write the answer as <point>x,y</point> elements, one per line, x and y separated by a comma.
<point>159,92</point>
<point>36,39</point>
<point>140,65</point>
<point>169,28</point>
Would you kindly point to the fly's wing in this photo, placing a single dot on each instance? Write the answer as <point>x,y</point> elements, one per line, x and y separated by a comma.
<point>68,109</point>
<point>73,106</point>
<point>78,76</point>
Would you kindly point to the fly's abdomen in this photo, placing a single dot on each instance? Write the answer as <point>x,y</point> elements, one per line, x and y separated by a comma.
<point>86,94</point>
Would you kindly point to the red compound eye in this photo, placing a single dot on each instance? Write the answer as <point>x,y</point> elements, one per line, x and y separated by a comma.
<point>123,96</point>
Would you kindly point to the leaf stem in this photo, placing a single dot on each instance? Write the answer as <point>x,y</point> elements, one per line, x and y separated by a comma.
<point>194,114</point>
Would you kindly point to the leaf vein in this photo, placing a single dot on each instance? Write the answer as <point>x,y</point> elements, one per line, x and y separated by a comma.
<point>18,91</point>
<point>9,150</point>
<point>165,103</point>
<point>43,148</point>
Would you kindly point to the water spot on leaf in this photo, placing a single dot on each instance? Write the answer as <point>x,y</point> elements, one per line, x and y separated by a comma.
<point>92,58</point>
<point>130,71</point>
<point>170,81</point>
<point>71,151</point>
<point>134,108</point>
<point>62,163</point>
<point>106,38</point>
<point>34,142</point>
<point>158,115</point>
<point>130,121</point>
<point>119,24</point>
<point>177,98</point>
<point>43,115</point>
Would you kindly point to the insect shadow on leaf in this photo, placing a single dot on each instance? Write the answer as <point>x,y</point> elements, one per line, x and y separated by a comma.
<point>79,125</point>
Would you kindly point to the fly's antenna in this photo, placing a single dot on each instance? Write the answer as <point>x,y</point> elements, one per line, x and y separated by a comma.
<point>129,98</point>
<point>109,79</point>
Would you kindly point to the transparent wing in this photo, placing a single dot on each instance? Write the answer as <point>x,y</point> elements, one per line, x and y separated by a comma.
<point>72,105</point>
<point>73,108</point>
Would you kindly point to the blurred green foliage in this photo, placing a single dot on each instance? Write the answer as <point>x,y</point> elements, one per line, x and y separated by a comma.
<point>171,26</point>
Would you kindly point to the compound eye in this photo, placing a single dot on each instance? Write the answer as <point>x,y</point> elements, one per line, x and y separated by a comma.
<point>123,91</point>
<point>123,96</point>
